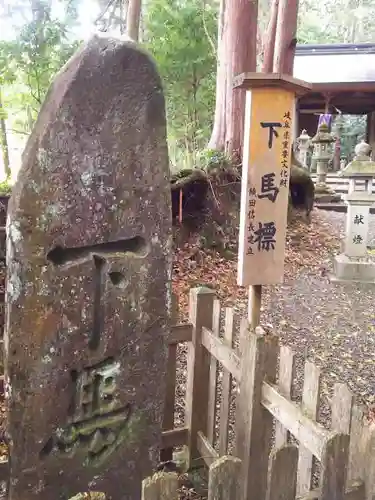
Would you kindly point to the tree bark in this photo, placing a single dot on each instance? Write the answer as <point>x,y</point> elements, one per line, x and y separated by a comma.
<point>133,19</point>
<point>236,54</point>
<point>270,38</point>
<point>243,32</point>
<point>4,140</point>
<point>217,140</point>
<point>285,43</point>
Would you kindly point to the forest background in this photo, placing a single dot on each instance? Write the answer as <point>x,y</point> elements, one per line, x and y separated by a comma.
<point>38,36</point>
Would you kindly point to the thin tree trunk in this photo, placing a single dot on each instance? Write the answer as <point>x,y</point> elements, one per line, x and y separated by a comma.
<point>133,19</point>
<point>228,42</point>
<point>217,140</point>
<point>270,37</point>
<point>4,140</point>
<point>243,19</point>
<point>285,43</point>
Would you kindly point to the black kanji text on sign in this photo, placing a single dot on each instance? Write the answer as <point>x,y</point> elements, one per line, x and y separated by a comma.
<point>268,188</point>
<point>265,236</point>
<point>272,132</point>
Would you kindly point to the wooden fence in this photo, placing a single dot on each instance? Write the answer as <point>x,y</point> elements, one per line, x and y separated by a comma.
<point>266,417</point>
<point>223,484</point>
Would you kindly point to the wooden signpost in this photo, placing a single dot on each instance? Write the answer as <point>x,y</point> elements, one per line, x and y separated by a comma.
<point>268,139</point>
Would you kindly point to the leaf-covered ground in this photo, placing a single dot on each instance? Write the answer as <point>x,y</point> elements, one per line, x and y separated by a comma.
<point>307,247</point>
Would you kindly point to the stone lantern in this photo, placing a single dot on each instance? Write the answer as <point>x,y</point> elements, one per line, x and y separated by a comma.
<point>304,143</point>
<point>323,141</point>
<point>356,263</point>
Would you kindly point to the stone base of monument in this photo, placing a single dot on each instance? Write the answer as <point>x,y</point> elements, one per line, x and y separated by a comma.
<point>348,269</point>
<point>325,194</point>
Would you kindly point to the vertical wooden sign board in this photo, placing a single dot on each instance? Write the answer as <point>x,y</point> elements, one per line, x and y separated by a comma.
<point>269,117</point>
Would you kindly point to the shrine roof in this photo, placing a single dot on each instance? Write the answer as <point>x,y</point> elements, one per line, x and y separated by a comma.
<point>344,63</point>
<point>345,72</point>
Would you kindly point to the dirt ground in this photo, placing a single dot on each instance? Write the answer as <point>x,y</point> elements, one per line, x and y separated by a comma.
<point>332,325</point>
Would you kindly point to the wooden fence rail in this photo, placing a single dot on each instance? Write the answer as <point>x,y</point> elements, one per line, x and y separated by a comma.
<point>263,404</point>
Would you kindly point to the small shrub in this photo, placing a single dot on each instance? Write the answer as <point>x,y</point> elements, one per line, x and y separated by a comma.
<point>211,159</point>
<point>5,188</point>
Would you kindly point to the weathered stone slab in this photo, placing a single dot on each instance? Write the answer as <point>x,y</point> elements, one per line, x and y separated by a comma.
<point>88,293</point>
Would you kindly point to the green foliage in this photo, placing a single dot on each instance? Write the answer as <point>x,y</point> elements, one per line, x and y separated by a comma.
<point>336,21</point>
<point>211,159</point>
<point>351,129</point>
<point>32,58</point>
<point>112,15</point>
<point>38,44</point>
<point>178,34</point>
<point>5,188</point>
<point>39,52</point>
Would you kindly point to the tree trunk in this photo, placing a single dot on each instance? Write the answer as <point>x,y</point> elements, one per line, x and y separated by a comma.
<point>133,19</point>
<point>4,140</point>
<point>243,33</point>
<point>269,39</point>
<point>236,54</point>
<point>217,140</point>
<point>285,43</point>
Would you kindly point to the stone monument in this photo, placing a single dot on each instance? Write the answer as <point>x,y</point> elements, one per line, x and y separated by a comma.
<point>89,269</point>
<point>356,263</point>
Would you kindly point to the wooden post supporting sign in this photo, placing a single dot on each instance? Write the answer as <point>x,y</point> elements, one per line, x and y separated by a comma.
<point>268,139</point>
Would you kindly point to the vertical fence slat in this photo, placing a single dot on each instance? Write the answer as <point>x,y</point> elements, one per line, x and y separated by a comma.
<point>168,486</point>
<point>170,389</point>
<point>224,479</point>
<point>201,303</point>
<point>244,333</point>
<point>310,405</point>
<point>334,468</point>
<point>150,489</point>
<point>160,486</point>
<point>358,432</point>
<point>226,385</point>
<point>213,378</point>
<point>253,421</point>
<point>369,468</point>
<point>170,396</point>
<point>342,402</point>
<point>282,483</point>
<point>286,367</point>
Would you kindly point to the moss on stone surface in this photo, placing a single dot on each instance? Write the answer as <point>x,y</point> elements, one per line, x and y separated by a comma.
<point>358,168</point>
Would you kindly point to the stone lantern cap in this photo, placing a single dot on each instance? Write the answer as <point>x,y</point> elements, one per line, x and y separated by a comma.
<point>362,166</point>
<point>323,135</point>
<point>304,137</point>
